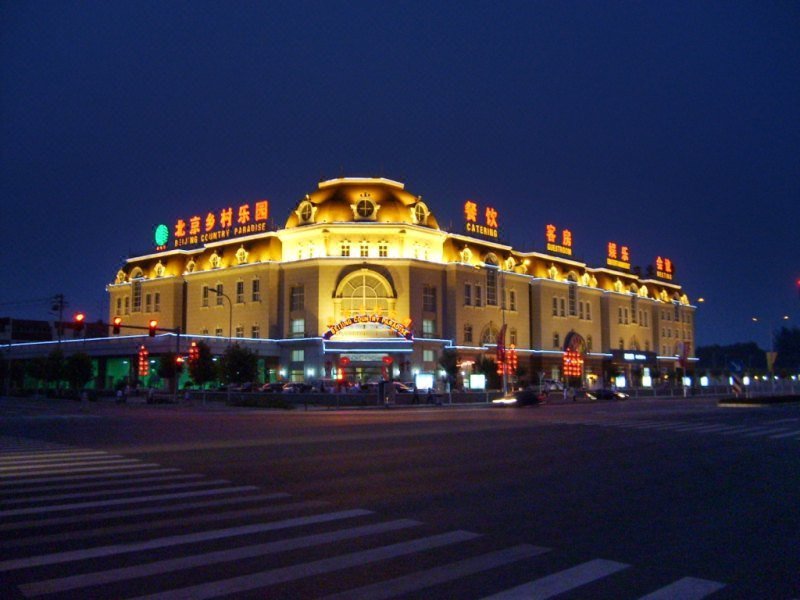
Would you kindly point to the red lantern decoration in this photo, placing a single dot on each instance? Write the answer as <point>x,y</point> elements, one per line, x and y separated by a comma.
<point>387,360</point>
<point>144,364</point>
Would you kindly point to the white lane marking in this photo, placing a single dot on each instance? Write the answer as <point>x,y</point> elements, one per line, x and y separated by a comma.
<point>688,588</point>
<point>141,469</point>
<point>776,421</point>
<point>787,434</point>
<point>766,432</point>
<point>117,492</point>
<point>38,489</point>
<point>99,503</point>
<point>563,581</point>
<point>174,540</point>
<point>421,580</point>
<point>25,477</point>
<point>699,428</point>
<point>253,581</point>
<point>63,467</point>
<point>51,457</point>
<point>137,512</point>
<point>72,536</point>
<point>73,582</point>
<point>750,430</point>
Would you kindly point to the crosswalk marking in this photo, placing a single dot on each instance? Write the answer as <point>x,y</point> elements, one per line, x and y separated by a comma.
<point>174,540</point>
<point>117,492</point>
<point>38,489</point>
<point>563,581</point>
<point>140,469</point>
<point>430,577</point>
<point>688,588</point>
<point>46,457</point>
<point>100,503</point>
<point>138,512</point>
<point>64,466</point>
<point>255,581</point>
<point>72,536</point>
<point>73,582</point>
<point>59,471</point>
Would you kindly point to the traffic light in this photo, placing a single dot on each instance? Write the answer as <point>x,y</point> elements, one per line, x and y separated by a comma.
<point>194,353</point>
<point>144,364</point>
<point>116,323</point>
<point>153,326</point>
<point>179,361</point>
<point>79,322</point>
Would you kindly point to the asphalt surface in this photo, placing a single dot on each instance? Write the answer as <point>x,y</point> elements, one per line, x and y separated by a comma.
<point>636,499</point>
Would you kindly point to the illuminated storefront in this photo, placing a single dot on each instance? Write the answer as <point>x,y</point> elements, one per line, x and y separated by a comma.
<point>361,282</point>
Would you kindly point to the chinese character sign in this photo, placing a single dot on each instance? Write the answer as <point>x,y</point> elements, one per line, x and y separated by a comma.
<point>664,268</point>
<point>553,245</point>
<point>618,256</point>
<point>244,219</point>
<point>488,227</point>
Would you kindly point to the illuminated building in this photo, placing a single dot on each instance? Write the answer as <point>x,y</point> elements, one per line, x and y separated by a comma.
<point>361,276</point>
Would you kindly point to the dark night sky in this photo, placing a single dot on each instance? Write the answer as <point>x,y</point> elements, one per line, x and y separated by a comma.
<point>673,127</point>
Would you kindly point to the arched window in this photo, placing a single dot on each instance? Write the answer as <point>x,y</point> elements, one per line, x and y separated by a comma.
<point>489,334</point>
<point>365,292</point>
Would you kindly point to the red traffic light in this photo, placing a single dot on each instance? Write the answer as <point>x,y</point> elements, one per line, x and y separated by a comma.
<point>116,323</point>
<point>194,352</point>
<point>153,326</point>
<point>79,321</point>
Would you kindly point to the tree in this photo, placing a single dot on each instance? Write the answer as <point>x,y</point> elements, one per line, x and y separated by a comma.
<point>239,365</point>
<point>54,367</point>
<point>168,366</point>
<point>787,345</point>
<point>448,360</point>
<point>36,369</point>
<point>79,370</point>
<point>203,369</point>
<point>489,368</point>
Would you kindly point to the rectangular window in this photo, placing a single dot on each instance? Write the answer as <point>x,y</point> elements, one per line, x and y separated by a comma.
<point>297,298</point>
<point>512,337</point>
<point>218,332</point>
<point>298,356</point>
<point>137,296</point>
<point>467,334</point>
<point>429,298</point>
<point>364,251</point>
<point>256,290</point>
<point>580,310</point>
<point>298,327</point>
<point>561,307</point>
<point>491,287</point>
<point>573,299</point>
<point>239,292</point>
<point>428,356</point>
<point>428,327</point>
<point>127,304</point>
<point>467,294</point>
<point>555,306</point>
<point>119,307</point>
<point>239,331</point>
<point>205,330</point>
<point>255,332</point>
<point>588,312</point>
<point>478,296</point>
<point>157,302</point>
<point>345,248</point>
<point>556,341</point>
<point>204,296</point>
<point>383,250</point>
<point>619,315</point>
<point>512,300</point>
<point>148,303</point>
<point>220,297</point>
<point>625,312</point>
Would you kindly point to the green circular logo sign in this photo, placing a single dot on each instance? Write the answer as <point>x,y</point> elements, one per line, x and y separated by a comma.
<point>162,235</point>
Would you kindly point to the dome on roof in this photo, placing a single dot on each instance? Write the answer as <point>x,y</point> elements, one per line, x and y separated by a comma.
<point>361,200</point>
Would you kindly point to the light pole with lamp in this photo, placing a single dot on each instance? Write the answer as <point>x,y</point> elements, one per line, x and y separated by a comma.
<point>230,326</point>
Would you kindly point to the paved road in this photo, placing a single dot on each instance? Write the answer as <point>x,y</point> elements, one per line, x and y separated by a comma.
<point>645,499</point>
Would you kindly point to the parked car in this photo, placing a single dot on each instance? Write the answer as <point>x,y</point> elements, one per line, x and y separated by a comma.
<point>273,388</point>
<point>296,387</point>
<point>609,395</point>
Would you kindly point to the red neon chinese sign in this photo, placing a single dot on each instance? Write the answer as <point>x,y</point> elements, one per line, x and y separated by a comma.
<point>553,245</point>
<point>618,256</point>
<point>488,227</point>
<point>664,268</point>
<point>243,219</point>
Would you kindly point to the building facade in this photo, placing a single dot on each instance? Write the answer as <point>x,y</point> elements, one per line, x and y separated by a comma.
<point>361,282</point>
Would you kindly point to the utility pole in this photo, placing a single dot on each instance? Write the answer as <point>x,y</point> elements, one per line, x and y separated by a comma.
<point>58,305</point>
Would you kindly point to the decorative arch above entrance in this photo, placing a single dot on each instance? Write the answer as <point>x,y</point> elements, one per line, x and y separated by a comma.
<point>364,307</point>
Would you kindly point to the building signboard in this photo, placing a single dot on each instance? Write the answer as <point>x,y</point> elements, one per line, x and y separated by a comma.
<point>401,329</point>
<point>618,256</point>
<point>664,268</point>
<point>487,227</point>
<point>562,246</point>
<point>228,222</point>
